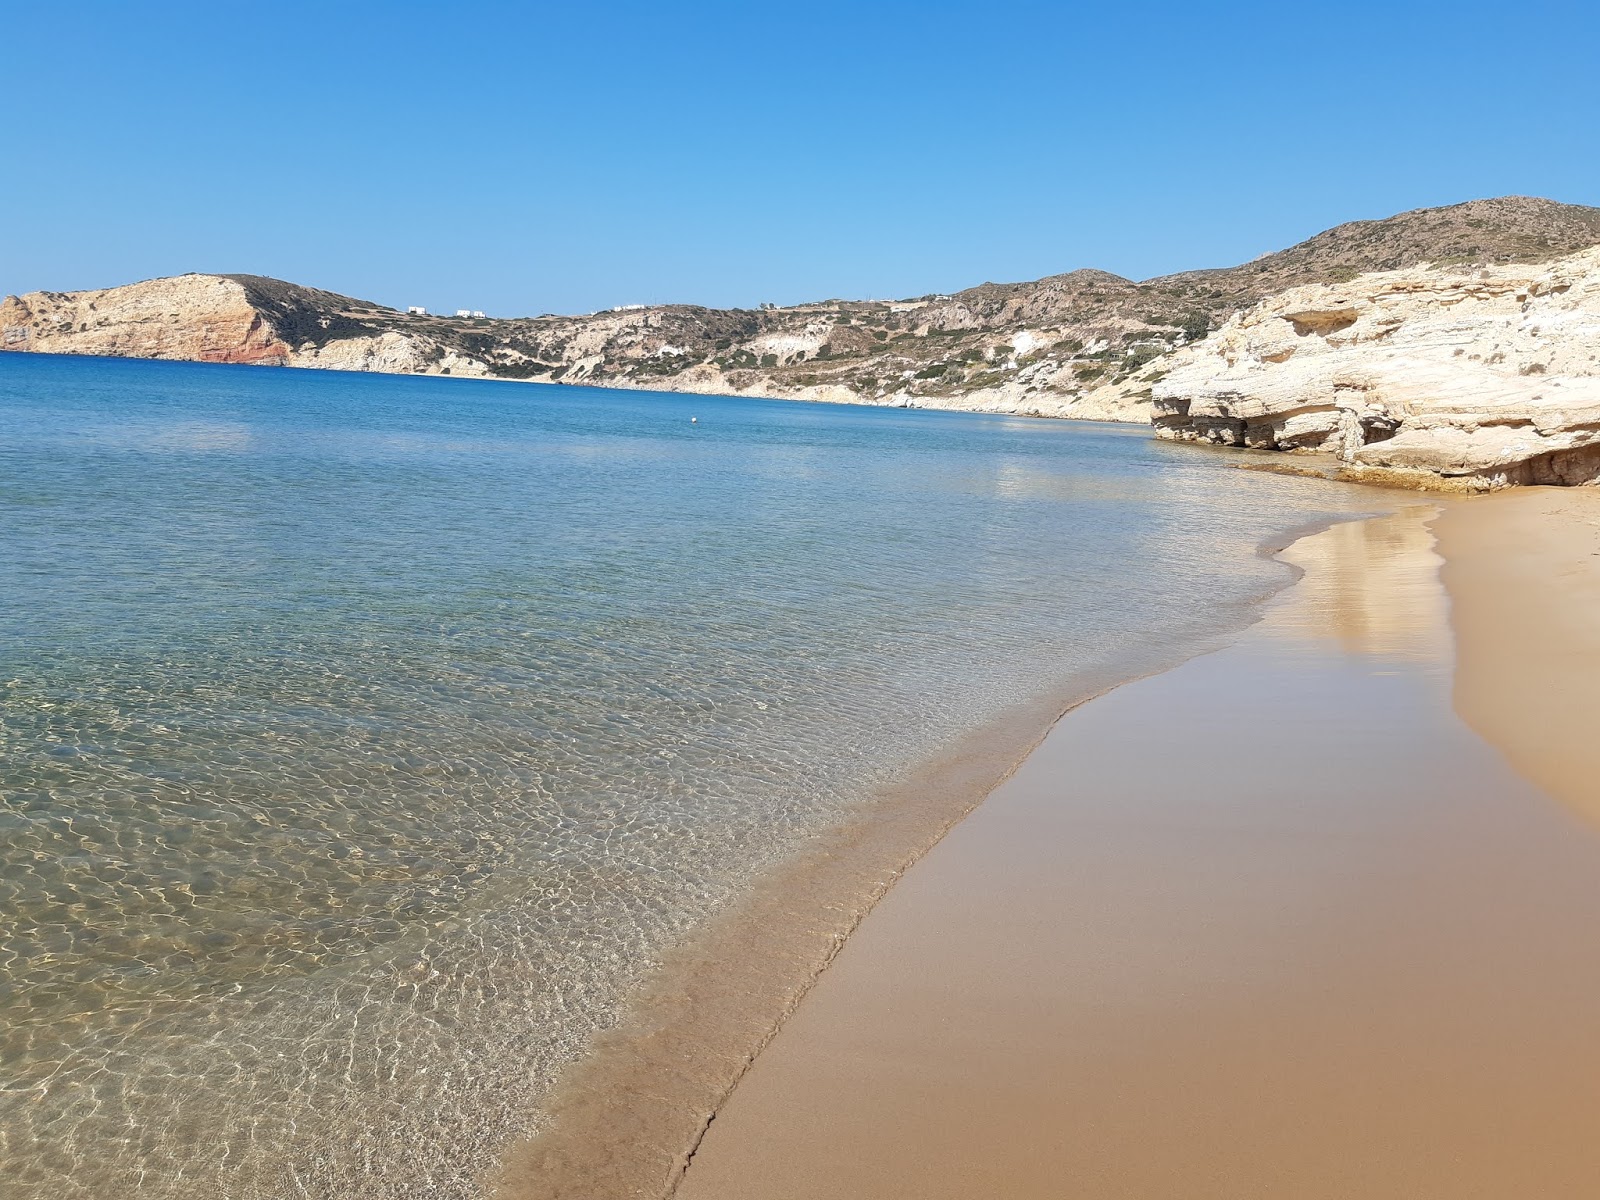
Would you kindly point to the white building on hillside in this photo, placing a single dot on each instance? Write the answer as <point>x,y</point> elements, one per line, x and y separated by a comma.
<point>416,310</point>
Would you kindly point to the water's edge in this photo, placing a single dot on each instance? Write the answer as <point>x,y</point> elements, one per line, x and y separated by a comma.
<point>626,1118</point>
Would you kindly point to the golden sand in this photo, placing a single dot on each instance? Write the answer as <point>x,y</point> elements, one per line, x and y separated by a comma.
<point>1275,923</point>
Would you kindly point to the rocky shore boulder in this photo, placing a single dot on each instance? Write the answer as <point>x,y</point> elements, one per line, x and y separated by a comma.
<point>1474,379</point>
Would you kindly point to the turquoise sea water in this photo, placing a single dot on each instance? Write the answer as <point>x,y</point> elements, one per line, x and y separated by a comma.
<point>363,738</point>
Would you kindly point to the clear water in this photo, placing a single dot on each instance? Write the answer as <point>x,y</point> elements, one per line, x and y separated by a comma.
<point>363,738</point>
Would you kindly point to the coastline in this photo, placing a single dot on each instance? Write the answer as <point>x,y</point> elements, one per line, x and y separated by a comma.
<point>627,1118</point>
<point>687,783</point>
<point>988,403</point>
<point>609,787</point>
<point>1304,989</point>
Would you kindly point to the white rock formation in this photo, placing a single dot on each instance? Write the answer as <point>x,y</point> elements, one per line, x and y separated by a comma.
<point>389,352</point>
<point>1485,377</point>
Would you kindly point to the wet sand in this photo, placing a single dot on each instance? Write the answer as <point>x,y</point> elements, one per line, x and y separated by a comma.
<point>1523,571</point>
<point>1277,922</point>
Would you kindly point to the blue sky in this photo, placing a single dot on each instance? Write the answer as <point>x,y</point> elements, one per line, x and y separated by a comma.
<point>527,158</point>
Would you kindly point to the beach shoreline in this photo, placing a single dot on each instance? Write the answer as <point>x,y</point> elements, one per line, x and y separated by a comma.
<point>627,1117</point>
<point>453,782</point>
<point>945,1053</point>
<point>696,1026</point>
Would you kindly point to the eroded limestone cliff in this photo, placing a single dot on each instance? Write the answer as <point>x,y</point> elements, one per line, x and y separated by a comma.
<point>1483,377</point>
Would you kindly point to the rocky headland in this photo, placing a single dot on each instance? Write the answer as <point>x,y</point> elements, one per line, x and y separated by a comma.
<point>1475,378</point>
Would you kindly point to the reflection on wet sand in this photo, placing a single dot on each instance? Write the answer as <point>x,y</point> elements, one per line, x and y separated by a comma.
<point>1372,586</point>
<point>1523,570</point>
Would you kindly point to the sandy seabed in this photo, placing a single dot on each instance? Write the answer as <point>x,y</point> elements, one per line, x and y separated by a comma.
<point>1312,916</point>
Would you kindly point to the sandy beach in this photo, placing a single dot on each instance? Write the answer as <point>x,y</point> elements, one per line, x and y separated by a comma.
<point>1523,571</point>
<point>626,1119</point>
<point>1311,915</point>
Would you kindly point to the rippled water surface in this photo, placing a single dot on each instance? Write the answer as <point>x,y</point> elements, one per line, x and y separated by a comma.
<point>362,738</point>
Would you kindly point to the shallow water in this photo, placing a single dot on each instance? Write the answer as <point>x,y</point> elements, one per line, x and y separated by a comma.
<point>363,738</point>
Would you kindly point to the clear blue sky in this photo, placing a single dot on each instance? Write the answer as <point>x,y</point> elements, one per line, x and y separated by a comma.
<point>527,158</point>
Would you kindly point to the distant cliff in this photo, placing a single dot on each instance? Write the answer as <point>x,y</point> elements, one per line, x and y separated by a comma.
<point>1482,378</point>
<point>227,319</point>
<point>1086,344</point>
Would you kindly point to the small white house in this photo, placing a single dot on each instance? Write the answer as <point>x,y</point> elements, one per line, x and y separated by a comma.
<point>463,312</point>
<point>477,312</point>
<point>416,310</point>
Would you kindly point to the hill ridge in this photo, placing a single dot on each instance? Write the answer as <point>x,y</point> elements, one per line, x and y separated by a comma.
<point>1085,343</point>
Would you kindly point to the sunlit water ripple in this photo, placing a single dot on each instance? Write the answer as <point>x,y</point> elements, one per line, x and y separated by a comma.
<point>363,738</point>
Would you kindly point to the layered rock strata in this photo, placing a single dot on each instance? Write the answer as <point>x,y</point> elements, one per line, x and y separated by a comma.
<point>203,318</point>
<point>217,319</point>
<point>1481,378</point>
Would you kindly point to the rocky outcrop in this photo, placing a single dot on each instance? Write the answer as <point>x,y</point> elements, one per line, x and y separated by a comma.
<point>391,353</point>
<point>1472,378</point>
<point>213,318</point>
<point>202,318</point>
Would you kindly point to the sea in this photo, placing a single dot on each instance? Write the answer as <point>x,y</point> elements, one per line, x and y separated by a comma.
<point>366,741</point>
